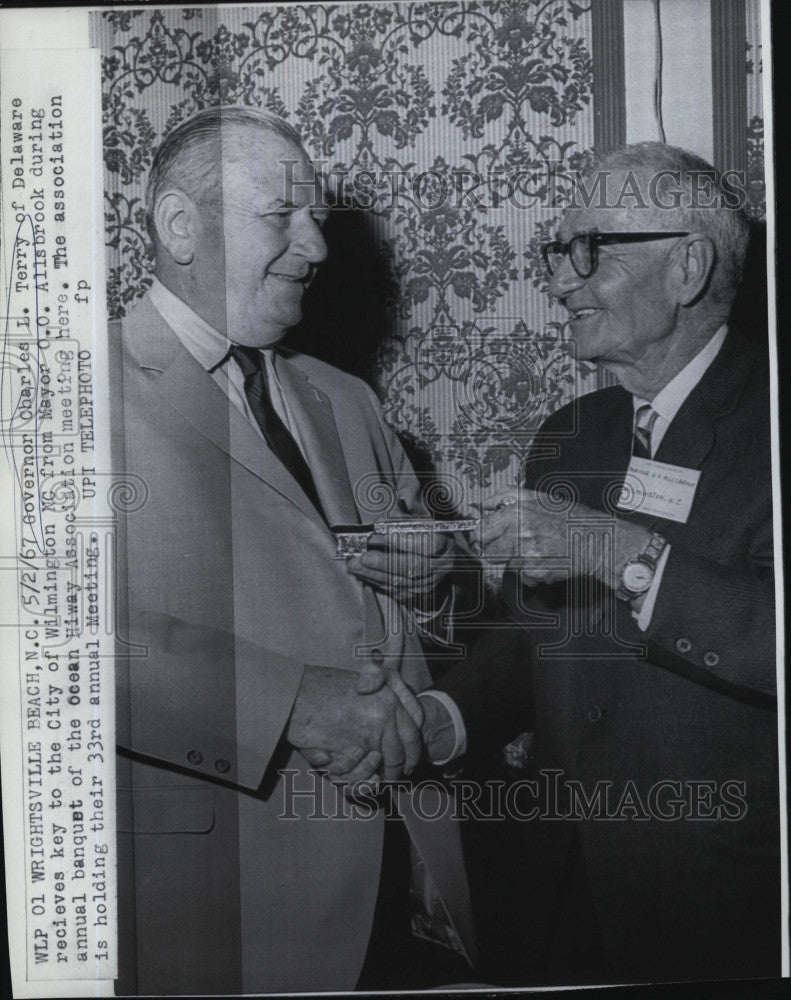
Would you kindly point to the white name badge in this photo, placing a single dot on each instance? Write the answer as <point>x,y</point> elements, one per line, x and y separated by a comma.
<point>659,489</point>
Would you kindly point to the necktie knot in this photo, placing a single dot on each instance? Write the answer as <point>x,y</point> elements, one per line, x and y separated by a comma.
<point>644,420</point>
<point>248,358</point>
<point>274,431</point>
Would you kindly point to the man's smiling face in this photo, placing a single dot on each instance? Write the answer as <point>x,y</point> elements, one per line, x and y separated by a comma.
<point>260,243</point>
<point>625,306</point>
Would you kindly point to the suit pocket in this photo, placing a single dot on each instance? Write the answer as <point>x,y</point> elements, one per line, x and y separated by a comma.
<point>165,810</point>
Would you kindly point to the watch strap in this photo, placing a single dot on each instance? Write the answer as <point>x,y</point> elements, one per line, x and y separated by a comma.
<point>654,549</point>
<point>650,557</point>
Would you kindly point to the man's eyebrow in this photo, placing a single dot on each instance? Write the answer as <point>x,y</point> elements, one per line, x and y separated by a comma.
<point>587,231</point>
<point>282,202</point>
<point>270,203</point>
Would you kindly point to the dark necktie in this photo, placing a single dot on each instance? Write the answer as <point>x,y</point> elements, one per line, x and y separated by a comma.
<point>275,432</point>
<point>644,420</point>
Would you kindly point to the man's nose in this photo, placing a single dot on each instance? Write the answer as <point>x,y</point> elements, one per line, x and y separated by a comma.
<point>307,237</point>
<point>565,280</point>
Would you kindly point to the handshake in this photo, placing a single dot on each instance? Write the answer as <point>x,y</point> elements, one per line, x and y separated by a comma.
<point>357,725</point>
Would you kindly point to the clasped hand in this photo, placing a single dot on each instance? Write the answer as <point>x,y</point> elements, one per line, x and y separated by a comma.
<point>355,724</point>
<point>408,566</point>
<point>524,530</point>
<point>529,531</point>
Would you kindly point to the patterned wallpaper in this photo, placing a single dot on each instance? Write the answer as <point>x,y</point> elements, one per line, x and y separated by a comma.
<point>447,131</point>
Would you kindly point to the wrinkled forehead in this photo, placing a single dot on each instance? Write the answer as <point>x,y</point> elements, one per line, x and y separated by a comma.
<point>583,220</point>
<point>262,163</point>
<point>616,201</point>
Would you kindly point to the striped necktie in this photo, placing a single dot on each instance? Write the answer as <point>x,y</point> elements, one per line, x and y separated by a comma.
<point>644,420</point>
<point>276,434</point>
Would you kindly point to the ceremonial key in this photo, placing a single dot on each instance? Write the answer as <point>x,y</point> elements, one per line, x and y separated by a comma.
<point>352,539</point>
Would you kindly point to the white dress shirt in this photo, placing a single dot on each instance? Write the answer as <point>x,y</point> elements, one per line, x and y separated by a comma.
<point>211,350</point>
<point>666,404</point>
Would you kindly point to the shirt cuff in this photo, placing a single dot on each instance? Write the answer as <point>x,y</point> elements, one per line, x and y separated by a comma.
<point>422,616</point>
<point>460,745</point>
<point>643,616</point>
<point>429,623</point>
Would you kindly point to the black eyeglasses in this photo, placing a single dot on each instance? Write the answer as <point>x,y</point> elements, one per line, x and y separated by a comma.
<point>583,249</point>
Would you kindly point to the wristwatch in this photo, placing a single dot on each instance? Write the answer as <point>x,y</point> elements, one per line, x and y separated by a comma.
<point>638,573</point>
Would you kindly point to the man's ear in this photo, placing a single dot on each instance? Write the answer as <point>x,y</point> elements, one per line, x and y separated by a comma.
<point>693,268</point>
<point>175,218</point>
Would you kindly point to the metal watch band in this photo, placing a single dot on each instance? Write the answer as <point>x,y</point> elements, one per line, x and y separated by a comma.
<point>654,549</point>
<point>650,557</point>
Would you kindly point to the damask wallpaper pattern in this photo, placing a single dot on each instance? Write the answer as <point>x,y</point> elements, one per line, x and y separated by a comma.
<point>448,131</point>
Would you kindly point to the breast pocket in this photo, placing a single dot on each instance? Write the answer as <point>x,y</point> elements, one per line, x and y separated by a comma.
<point>165,810</point>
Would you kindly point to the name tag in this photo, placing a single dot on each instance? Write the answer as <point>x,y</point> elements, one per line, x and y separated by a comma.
<point>659,489</point>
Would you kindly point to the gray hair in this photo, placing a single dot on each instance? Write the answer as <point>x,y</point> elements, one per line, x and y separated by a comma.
<point>189,156</point>
<point>673,176</point>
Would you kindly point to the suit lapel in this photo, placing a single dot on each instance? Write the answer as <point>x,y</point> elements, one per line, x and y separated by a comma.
<point>616,433</point>
<point>692,433</point>
<point>687,441</point>
<point>595,459</point>
<point>313,414</point>
<point>190,391</point>
<point>690,436</point>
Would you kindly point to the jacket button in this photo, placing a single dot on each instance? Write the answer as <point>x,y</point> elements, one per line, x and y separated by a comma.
<point>683,645</point>
<point>195,757</point>
<point>593,714</point>
<point>711,659</point>
<point>222,765</point>
<point>377,657</point>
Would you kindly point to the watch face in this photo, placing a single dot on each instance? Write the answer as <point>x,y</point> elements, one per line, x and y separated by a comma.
<point>637,577</point>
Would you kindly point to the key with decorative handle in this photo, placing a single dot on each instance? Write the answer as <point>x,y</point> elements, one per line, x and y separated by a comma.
<point>352,539</point>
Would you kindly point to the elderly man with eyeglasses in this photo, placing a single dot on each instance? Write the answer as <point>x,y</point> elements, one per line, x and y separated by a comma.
<point>637,553</point>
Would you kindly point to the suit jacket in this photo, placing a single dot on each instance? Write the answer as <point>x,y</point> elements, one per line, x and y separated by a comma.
<point>689,700</point>
<point>229,588</point>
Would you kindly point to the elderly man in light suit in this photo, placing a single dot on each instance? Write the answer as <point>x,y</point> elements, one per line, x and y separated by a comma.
<point>247,652</point>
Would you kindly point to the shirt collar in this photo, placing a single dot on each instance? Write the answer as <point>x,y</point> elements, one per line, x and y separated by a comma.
<point>669,400</point>
<point>205,344</point>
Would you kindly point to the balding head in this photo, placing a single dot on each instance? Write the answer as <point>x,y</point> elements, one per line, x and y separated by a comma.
<point>235,209</point>
<point>664,187</point>
<point>191,157</point>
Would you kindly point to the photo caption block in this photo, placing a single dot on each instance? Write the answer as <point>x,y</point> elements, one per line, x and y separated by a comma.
<point>55,593</point>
